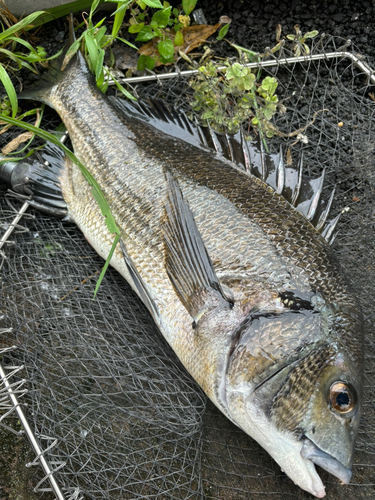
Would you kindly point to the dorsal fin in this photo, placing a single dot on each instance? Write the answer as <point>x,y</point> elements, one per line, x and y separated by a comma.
<point>300,191</point>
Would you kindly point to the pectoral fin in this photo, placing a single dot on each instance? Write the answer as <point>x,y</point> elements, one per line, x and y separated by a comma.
<point>188,264</point>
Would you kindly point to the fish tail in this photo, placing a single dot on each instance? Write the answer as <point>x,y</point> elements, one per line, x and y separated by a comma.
<point>41,90</point>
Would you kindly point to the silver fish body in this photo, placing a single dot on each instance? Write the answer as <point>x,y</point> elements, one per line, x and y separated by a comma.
<point>240,283</point>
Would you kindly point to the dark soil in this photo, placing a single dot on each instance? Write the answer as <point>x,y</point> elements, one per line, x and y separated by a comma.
<point>254,22</point>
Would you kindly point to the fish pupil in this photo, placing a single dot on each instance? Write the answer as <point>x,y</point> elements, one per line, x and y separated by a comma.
<point>343,399</point>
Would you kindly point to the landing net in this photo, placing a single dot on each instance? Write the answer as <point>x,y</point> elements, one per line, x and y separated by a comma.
<point>115,414</point>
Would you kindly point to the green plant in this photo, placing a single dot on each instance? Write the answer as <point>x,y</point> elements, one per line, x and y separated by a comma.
<point>12,59</point>
<point>299,41</point>
<point>165,27</point>
<point>93,42</point>
<point>227,97</point>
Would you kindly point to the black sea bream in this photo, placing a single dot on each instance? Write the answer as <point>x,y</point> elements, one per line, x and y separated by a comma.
<point>241,283</point>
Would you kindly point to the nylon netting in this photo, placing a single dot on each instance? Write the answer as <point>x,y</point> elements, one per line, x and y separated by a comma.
<point>123,417</point>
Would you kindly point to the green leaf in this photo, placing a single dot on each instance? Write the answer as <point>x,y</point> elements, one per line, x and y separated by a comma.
<point>92,49</point>
<point>70,53</point>
<point>161,17</point>
<point>306,49</point>
<point>188,6</point>
<point>179,39</point>
<point>120,87</point>
<point>166,51</point>
<point>239,70</point>
<point>121,8</point>
<point>269,84</point>
<point>291,37</point>
<point>21,42</point>
<point>145,62</point>
<point>156,4</point>
<point>94,6</point>
<point>12,56</point>
<point>135,28</point>
<point>99,68</point>
<point>105,267</point>
<point>10,90</point>
<point>119,17</point>
<point>99,35</point>
<point>104,87</point>
<point>223,32</point>
<point>20,25</point>
<point>157,32</point>
<point>145,34</point>
<point>311,34</point>
<point>249,81</point>
<point>127,43</point>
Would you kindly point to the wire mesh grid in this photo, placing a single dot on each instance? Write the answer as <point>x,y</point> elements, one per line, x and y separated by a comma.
<point>128,420</point>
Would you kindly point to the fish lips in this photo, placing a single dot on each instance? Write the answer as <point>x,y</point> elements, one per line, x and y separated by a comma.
<point>327,462</point>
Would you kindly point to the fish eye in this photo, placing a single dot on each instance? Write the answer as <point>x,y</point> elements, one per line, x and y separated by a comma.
<point>342,397</point>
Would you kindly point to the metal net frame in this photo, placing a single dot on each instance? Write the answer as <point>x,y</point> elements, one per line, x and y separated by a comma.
<point>114,413</point>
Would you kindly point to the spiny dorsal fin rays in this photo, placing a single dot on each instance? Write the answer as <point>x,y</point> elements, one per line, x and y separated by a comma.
<point>323,211</point>
<point>280,173</point>
<point>188,264</point>
<point>309,195</point>
<point>303,193</point>
<point>297,186</point>
<point>329,228</point>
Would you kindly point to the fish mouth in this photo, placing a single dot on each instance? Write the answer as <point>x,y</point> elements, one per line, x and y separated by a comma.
<point>327,462</point>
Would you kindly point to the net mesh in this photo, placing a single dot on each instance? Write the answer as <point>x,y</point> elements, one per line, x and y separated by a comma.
<point>108,400</point>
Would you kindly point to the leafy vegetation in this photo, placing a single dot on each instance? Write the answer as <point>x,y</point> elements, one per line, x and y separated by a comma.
<point>165,27</point>
<point>226,97</point>
<point>12,59</point>
<point>300,46</point>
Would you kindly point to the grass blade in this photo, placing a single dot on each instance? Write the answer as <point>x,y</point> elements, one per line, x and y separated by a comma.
<point>105,267</point>
<point>127,43</point>
<point>10,90</point>
<point>23,24</point>
<point>119,17</point>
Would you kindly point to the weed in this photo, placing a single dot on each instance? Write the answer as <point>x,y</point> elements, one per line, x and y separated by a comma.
<point>165,27</point>
<point>300,46</point>
<point>226,97</point>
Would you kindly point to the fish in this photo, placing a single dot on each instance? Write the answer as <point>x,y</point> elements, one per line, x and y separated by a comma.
<point>229,250</point>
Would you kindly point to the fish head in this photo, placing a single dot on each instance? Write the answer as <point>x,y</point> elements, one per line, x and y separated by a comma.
<point>295,387</point>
